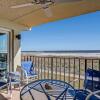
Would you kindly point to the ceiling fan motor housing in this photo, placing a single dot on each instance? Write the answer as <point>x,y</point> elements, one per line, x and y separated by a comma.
<point>43,1</point>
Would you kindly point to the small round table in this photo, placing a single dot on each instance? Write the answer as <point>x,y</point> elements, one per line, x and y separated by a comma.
<point>47,89</point>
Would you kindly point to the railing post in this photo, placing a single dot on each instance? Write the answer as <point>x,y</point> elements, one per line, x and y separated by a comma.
<point>69,69</point>
<point>24,58</point>
<point>30,58</point>
<point>27,58</point>
<point>99,68</point>
<point>56,68</point>
<point>51,68</point>
<point>41,68</point>
<point>85,68</point>
<point>79,72</point>
<point>48,67</point>
<point>92,76</point>
<point>33,59</point>
<point>99,65</point>
<point>64,69</point>
<point>38,68</point>
<point>74,73</point>
<point>44,67</point>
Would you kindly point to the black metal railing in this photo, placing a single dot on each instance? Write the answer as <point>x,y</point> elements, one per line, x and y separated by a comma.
<point>63,67</point>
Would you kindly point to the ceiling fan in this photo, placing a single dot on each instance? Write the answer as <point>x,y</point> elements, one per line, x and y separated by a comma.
<point>45,4</point>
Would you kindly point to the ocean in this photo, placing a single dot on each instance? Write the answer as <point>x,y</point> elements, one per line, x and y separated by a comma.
<point>76,53</point>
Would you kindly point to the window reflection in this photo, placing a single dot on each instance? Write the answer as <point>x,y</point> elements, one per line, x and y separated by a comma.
<point>3,55</point>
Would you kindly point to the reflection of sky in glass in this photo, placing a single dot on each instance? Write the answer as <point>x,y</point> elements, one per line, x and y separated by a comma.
<point>3,43</point>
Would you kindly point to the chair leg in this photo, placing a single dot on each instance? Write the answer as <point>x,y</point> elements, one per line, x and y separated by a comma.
<point>27,80</point>
<point>19,87</point>
<point>8,87</point>
<point>10,90</point>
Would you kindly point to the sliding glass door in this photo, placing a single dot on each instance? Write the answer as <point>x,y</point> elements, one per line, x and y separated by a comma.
<point>3,55</point>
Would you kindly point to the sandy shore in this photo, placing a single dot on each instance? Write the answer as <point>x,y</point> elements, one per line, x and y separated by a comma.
<point>65,54</point>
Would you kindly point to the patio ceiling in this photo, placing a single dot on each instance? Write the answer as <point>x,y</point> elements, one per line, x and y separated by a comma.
<point>34,15</point>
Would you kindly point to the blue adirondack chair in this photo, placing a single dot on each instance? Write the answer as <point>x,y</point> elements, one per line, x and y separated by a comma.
<point>94,95</point>
<point>91,82</point>
<point>3,84</point>
<point>29,70</point>
<point>13,78</point>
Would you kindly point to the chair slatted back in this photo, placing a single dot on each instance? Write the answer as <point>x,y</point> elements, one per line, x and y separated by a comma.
<point>92,81</point>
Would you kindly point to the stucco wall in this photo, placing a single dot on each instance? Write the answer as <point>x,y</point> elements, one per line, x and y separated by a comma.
<point>17,52</point>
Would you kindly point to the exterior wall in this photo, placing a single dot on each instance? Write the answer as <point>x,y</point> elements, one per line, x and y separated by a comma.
<point>14,49</point>
<point>14,56</point>
<point>17,52</point>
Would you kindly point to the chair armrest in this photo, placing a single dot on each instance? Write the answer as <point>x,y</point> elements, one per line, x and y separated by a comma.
<point>88,90</point>
<point>73,81</point>
<point>13,76</point>
<point>93,93</point>
<point>24,72</point>
<point>6,84</point>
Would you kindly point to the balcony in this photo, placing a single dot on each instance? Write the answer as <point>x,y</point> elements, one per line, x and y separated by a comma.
<point>65,68</point>
<point>70,69</point>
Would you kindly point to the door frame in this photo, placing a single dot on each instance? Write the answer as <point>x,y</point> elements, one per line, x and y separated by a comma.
<point>10,49</point>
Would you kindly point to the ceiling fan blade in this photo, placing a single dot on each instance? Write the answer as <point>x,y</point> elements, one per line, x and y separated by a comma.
<point>62,1</point>
<point>22,5</point>
<point>47,10</point>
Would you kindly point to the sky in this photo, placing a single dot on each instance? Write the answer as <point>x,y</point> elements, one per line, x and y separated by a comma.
<point>76,33</point>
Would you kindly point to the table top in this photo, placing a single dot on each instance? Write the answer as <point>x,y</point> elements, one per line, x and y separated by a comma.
<point>55,88</point>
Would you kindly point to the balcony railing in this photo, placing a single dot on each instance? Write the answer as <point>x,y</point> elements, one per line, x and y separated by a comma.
<point>63,67</point>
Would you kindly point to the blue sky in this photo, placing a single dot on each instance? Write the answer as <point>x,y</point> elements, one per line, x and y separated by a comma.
<point>76,33</point>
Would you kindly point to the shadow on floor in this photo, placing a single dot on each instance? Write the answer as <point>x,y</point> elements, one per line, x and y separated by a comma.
<point>2,97</point>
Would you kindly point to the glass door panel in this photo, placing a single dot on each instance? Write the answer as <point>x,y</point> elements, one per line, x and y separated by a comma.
<point>3,55</point>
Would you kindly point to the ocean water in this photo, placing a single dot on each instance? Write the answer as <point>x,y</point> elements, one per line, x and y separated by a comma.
<point>84,53</point>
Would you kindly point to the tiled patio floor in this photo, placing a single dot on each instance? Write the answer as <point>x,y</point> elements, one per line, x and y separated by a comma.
<point>15,95</point>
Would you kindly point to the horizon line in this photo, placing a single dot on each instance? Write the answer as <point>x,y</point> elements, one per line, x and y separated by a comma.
<point>59,51</point>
